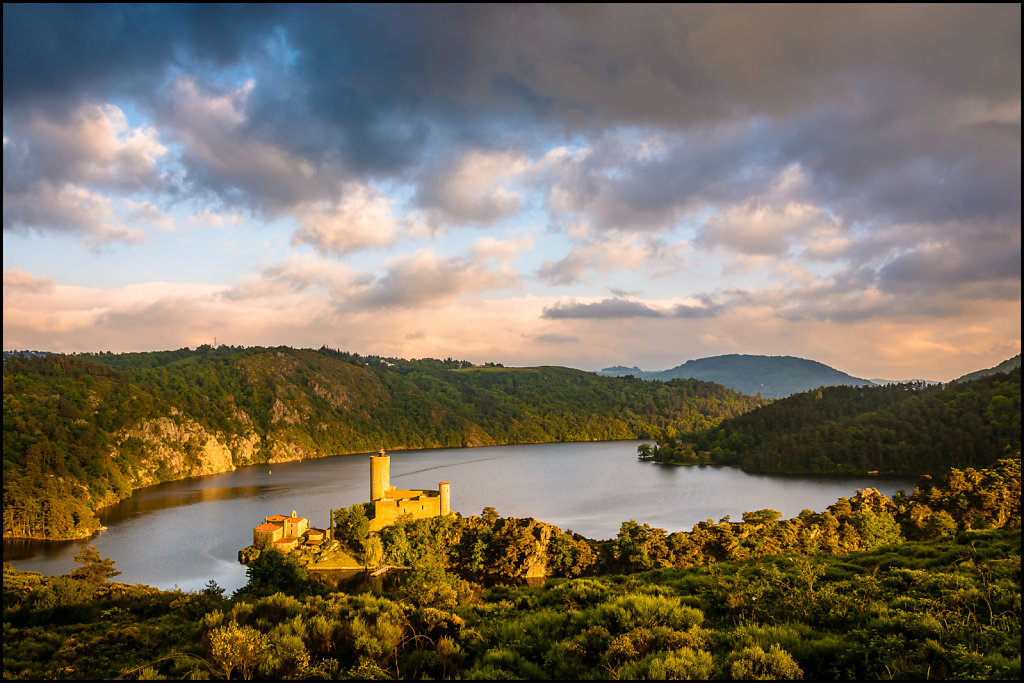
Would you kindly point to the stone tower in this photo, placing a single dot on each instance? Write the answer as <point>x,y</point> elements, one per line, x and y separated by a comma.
<point>380,475</point>
<point>446,497</point>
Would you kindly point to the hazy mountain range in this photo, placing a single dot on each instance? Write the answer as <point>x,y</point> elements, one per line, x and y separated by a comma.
<point>769,376</point>
<point>777,376</point>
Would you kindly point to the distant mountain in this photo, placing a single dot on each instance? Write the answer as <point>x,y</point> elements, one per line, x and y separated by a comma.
<point>1005,366</point>
<point>769,376</point>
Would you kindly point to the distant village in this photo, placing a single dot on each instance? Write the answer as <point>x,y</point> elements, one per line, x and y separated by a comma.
<point>387,506</point>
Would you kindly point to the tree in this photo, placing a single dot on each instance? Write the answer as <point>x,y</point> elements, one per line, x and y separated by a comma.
<point>237,647</point>
<point>645,452</point>
<point>352,526</point>
<point>94,569</point>
<point>274,571</point>
<point>759,517</point>
<point>640,547</point>
<point>373,551</point>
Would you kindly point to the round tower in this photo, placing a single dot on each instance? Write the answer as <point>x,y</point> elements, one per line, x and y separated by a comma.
<point>446,497</point>
<point>380,475</point>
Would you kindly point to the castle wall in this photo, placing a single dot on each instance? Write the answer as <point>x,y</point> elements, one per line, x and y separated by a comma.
<point>387,512</point>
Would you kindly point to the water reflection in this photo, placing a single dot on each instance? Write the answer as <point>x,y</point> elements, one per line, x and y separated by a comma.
<point>187,532</point>
<point>149,500</point>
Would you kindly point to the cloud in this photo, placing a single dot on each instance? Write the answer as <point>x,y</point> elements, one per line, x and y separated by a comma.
<point>227,157</point>
<point>147,212</point>
<point>68,209</point>
<point>607,308</point>
<point>501,250</point>
<point>361,218</point>
<point>426,279</point>
<point>218,220</point>
<point>706,309</point>
<point>298,273</point>
<point>60,176</point>
<point>93,146</point>
<point>556,339</point>
<point>477,187</point>
<point>611,251</point>
<point>16,279</point>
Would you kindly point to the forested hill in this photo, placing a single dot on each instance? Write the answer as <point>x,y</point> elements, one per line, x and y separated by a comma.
<point>769,376</point>
<point>85,430</point>
<point>905,429</point>
<point>1005,366</point>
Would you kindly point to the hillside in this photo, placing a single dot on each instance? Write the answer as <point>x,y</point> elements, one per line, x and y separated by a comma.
<point>1005,366</point>
<point>768,376</point>
<point>905,429</point>
<point>86,430</point>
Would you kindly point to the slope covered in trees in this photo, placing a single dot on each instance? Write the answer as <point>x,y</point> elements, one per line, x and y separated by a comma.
<point>904,429</point>
<point>1005,366</point>
<point>84,430</point>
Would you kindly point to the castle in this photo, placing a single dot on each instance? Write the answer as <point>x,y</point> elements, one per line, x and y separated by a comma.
<point>388,503</point>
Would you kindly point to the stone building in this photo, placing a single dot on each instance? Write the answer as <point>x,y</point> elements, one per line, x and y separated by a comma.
<point>280,532</point>
<point>388,503</point>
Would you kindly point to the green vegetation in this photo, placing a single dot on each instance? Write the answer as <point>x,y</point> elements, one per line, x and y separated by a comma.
<point>83,431</point>
<point>755,599</point>
<point>903,429</point>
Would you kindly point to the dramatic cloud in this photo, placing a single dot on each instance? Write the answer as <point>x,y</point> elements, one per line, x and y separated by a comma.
<point>741,178</point>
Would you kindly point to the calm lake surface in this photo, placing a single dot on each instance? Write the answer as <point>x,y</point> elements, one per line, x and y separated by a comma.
<point>184,533</point>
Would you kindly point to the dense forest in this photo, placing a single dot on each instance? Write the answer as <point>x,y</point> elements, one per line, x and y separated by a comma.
<point>82,431</point>
<point>903,429</point>
<point>925,585</point>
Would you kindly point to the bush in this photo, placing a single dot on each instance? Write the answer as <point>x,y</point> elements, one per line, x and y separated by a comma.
<point>753,663</point>
<point>685,664</point>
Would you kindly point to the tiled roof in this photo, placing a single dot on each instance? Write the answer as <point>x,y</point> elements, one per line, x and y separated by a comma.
<point>267,526</point>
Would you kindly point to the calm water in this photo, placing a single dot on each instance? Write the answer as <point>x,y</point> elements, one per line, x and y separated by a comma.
<point>187,532</point>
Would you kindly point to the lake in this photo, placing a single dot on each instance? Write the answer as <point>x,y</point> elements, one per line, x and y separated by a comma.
<point>184,533</point>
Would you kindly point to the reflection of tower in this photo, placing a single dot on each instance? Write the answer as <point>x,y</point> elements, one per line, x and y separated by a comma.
<point>446,498</point>
<point>380,476</point>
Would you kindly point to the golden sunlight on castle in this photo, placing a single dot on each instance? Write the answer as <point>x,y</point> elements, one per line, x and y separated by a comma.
<point>389,504</point>
<point>286,533</point>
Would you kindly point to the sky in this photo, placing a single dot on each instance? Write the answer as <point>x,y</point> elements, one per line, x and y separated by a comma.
<point>573,185</point>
